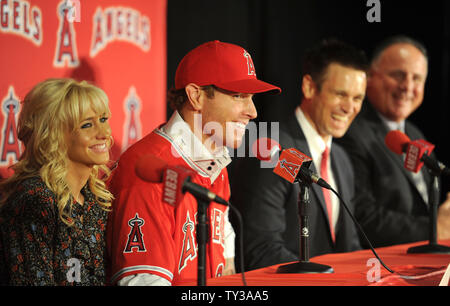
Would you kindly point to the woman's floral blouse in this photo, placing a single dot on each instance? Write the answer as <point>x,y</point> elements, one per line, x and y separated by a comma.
<point>38,248</point>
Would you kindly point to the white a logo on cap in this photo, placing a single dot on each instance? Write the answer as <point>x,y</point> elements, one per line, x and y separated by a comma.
<point>250,66</point>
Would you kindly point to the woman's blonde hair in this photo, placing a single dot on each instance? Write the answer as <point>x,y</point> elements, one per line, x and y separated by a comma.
<point>50,110</point>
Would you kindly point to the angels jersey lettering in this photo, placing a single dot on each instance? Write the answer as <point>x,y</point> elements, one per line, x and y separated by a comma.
<point>217,226</point>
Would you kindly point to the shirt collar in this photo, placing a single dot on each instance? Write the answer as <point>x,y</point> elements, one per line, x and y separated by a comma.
<point>192,148</point>
<point>392,125</point>
<point>316,143</point>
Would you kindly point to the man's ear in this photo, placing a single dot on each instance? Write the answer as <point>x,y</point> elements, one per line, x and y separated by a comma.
<point>195,96</point>
<point>308,86</point>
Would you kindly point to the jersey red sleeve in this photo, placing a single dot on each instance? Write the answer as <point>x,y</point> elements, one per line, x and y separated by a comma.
<point>140,231</point>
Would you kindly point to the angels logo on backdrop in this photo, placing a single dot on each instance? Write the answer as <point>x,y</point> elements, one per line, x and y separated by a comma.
<point>119,24</point>
<point>132,130</point>
<point>15,18</point>
<point>66,48</point>
<point>10,141</point>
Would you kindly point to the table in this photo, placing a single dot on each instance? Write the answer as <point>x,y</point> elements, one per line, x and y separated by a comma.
<point>359,268</point>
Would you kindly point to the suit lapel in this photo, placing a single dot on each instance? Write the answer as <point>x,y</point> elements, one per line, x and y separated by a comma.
<point>342,188</point>
<point>339,177</point>
<point>301,144</point>
<point>380,132</point>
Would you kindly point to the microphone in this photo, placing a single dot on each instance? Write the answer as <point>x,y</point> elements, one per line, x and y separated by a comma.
<point>292,165</point>
<point>417,152</point>
<point>301,162</point>
<point>176,180</point>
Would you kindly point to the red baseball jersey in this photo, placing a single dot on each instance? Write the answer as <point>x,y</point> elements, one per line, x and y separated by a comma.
<point>146,235</point>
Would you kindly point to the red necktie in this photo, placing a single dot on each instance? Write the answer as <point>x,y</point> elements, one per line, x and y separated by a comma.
<point>326,192</point>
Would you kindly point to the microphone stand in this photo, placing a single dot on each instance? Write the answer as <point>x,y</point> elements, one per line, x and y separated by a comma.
<point>202,240</point>
<point>304,265</point>
<point>432,247</point>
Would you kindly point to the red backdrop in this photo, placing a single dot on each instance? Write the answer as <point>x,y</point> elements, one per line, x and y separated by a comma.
<point>119,45</point>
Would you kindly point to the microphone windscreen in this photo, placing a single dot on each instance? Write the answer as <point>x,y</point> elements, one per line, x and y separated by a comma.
<point>265,148</point>
<point>150,168</point>
<point>396,141</point>
<point>290,163</point>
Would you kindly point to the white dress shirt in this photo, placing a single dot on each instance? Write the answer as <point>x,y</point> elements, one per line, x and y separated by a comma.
<point>316,146</point>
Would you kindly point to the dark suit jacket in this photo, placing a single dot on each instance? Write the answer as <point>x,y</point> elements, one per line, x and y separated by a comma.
<point>388,204</point>
<point>268,204</point>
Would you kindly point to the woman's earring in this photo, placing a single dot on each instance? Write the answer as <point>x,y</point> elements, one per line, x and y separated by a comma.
<point>111,141</point>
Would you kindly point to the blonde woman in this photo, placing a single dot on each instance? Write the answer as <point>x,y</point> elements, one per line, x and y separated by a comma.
<point>53,210</point>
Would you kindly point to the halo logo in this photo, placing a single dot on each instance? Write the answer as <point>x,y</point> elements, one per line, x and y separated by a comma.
<point>10,141</point>
<point>66,47</point>
<point>132,125</point>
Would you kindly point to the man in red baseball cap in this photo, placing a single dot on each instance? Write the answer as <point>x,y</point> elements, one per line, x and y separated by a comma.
<point>150,242</point>
<point>221,72</point>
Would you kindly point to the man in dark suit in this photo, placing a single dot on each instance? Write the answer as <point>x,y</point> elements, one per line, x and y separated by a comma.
<point>333,87</point>
<point>392,202</point>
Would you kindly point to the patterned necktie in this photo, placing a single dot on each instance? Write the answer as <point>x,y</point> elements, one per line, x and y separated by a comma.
<point>326,192</point>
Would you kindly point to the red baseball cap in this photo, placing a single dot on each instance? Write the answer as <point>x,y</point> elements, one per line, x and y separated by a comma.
<point>224,65</point>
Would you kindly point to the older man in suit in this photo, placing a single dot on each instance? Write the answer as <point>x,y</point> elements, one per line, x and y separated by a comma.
<point>333,87</point>
<point>392,203</point>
